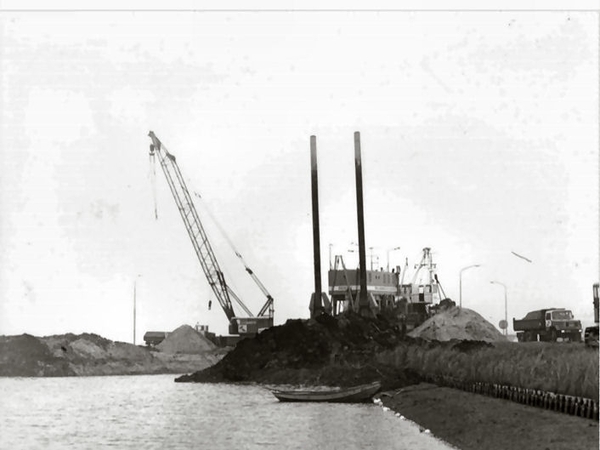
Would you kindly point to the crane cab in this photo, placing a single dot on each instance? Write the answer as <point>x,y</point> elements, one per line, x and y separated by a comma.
<point>249,326</point>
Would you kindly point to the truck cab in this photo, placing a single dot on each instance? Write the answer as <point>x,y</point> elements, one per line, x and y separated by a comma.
<point>560,323</point>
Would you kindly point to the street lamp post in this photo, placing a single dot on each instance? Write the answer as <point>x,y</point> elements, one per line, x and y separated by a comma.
<point>352,250</point>
<point>371,255</point>
<point>505,305</point>
<point>135,305</point>
<point>388,256</point>
<point>460,281</point>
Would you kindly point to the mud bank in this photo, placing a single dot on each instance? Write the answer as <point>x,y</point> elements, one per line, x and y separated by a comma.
<point>473,422</point>
<point>341,351</point>
<point>90,354</point>
<point>323,351</point>
<point>351,349</point>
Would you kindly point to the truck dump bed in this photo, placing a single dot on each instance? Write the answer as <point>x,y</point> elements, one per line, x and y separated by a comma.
<point>527,324</point>
<point>532,321</point>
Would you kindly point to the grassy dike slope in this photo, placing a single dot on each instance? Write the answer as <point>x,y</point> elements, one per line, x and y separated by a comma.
<point>561,368</point>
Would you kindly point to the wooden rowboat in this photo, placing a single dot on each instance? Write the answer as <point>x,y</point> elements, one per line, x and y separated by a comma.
<point>355,394</point>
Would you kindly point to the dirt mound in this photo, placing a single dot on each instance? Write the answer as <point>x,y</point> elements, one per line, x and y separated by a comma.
<point>336,351</point>
<point>28,356</point>
<point>129,352</point>
<point>185,340</point>
<point>457,324</point>
<point>89,354</point>
<point>86,349</point>
<point>73,346</point>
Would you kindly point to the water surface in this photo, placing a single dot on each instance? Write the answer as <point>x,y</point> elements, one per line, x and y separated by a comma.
<point>153,412</point>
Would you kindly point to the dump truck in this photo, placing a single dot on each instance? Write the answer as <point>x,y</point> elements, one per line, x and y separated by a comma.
<point>548,325</point>
<point>591,333</point>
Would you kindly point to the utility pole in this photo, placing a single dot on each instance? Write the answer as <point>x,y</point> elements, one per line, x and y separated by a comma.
<point>388,256</point>
<point>134,306</point>
<point>505,306</point>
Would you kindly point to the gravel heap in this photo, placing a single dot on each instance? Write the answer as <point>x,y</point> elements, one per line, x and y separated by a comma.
<point>185,339</point>
<point>457,324</point>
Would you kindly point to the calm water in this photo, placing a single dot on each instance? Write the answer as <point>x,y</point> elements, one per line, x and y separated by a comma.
<point>153,412</point>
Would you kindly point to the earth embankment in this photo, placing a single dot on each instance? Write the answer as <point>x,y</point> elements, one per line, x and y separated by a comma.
<point>351,349</point>
<point>89,354</point>
<point>341,351</point>
<point>322,351</point>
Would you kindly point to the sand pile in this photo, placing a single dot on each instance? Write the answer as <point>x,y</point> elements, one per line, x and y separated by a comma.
<point>457,323</point>
<point>185,340</point>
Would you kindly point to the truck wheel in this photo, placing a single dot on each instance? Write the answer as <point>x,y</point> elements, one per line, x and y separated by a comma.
<point>553,335</point>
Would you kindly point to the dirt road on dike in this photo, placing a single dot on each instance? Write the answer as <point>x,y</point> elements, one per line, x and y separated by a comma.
<point>474,422</point>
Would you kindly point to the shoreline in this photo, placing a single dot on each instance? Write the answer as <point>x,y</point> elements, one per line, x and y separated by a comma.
<point>471,421</point>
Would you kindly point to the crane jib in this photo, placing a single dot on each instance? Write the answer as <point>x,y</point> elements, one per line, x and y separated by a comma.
<point>202,247</point>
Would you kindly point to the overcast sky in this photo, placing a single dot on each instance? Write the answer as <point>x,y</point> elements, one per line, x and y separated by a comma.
<point>479,137</point>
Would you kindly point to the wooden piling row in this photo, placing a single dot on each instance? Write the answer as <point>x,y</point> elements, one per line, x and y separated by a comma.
<point>567,404</point>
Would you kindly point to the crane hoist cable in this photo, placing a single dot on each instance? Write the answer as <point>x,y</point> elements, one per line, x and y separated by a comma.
<point>440,285</point>
<point>194,227</point>
<point>269,302</point>
<point>200,241</point>
<point>152,174</point>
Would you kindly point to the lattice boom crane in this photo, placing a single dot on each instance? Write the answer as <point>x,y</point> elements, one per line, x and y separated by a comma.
<point>237,325</point>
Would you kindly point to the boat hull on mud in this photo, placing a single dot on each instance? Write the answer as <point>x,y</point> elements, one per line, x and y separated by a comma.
<point>355,394</point>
